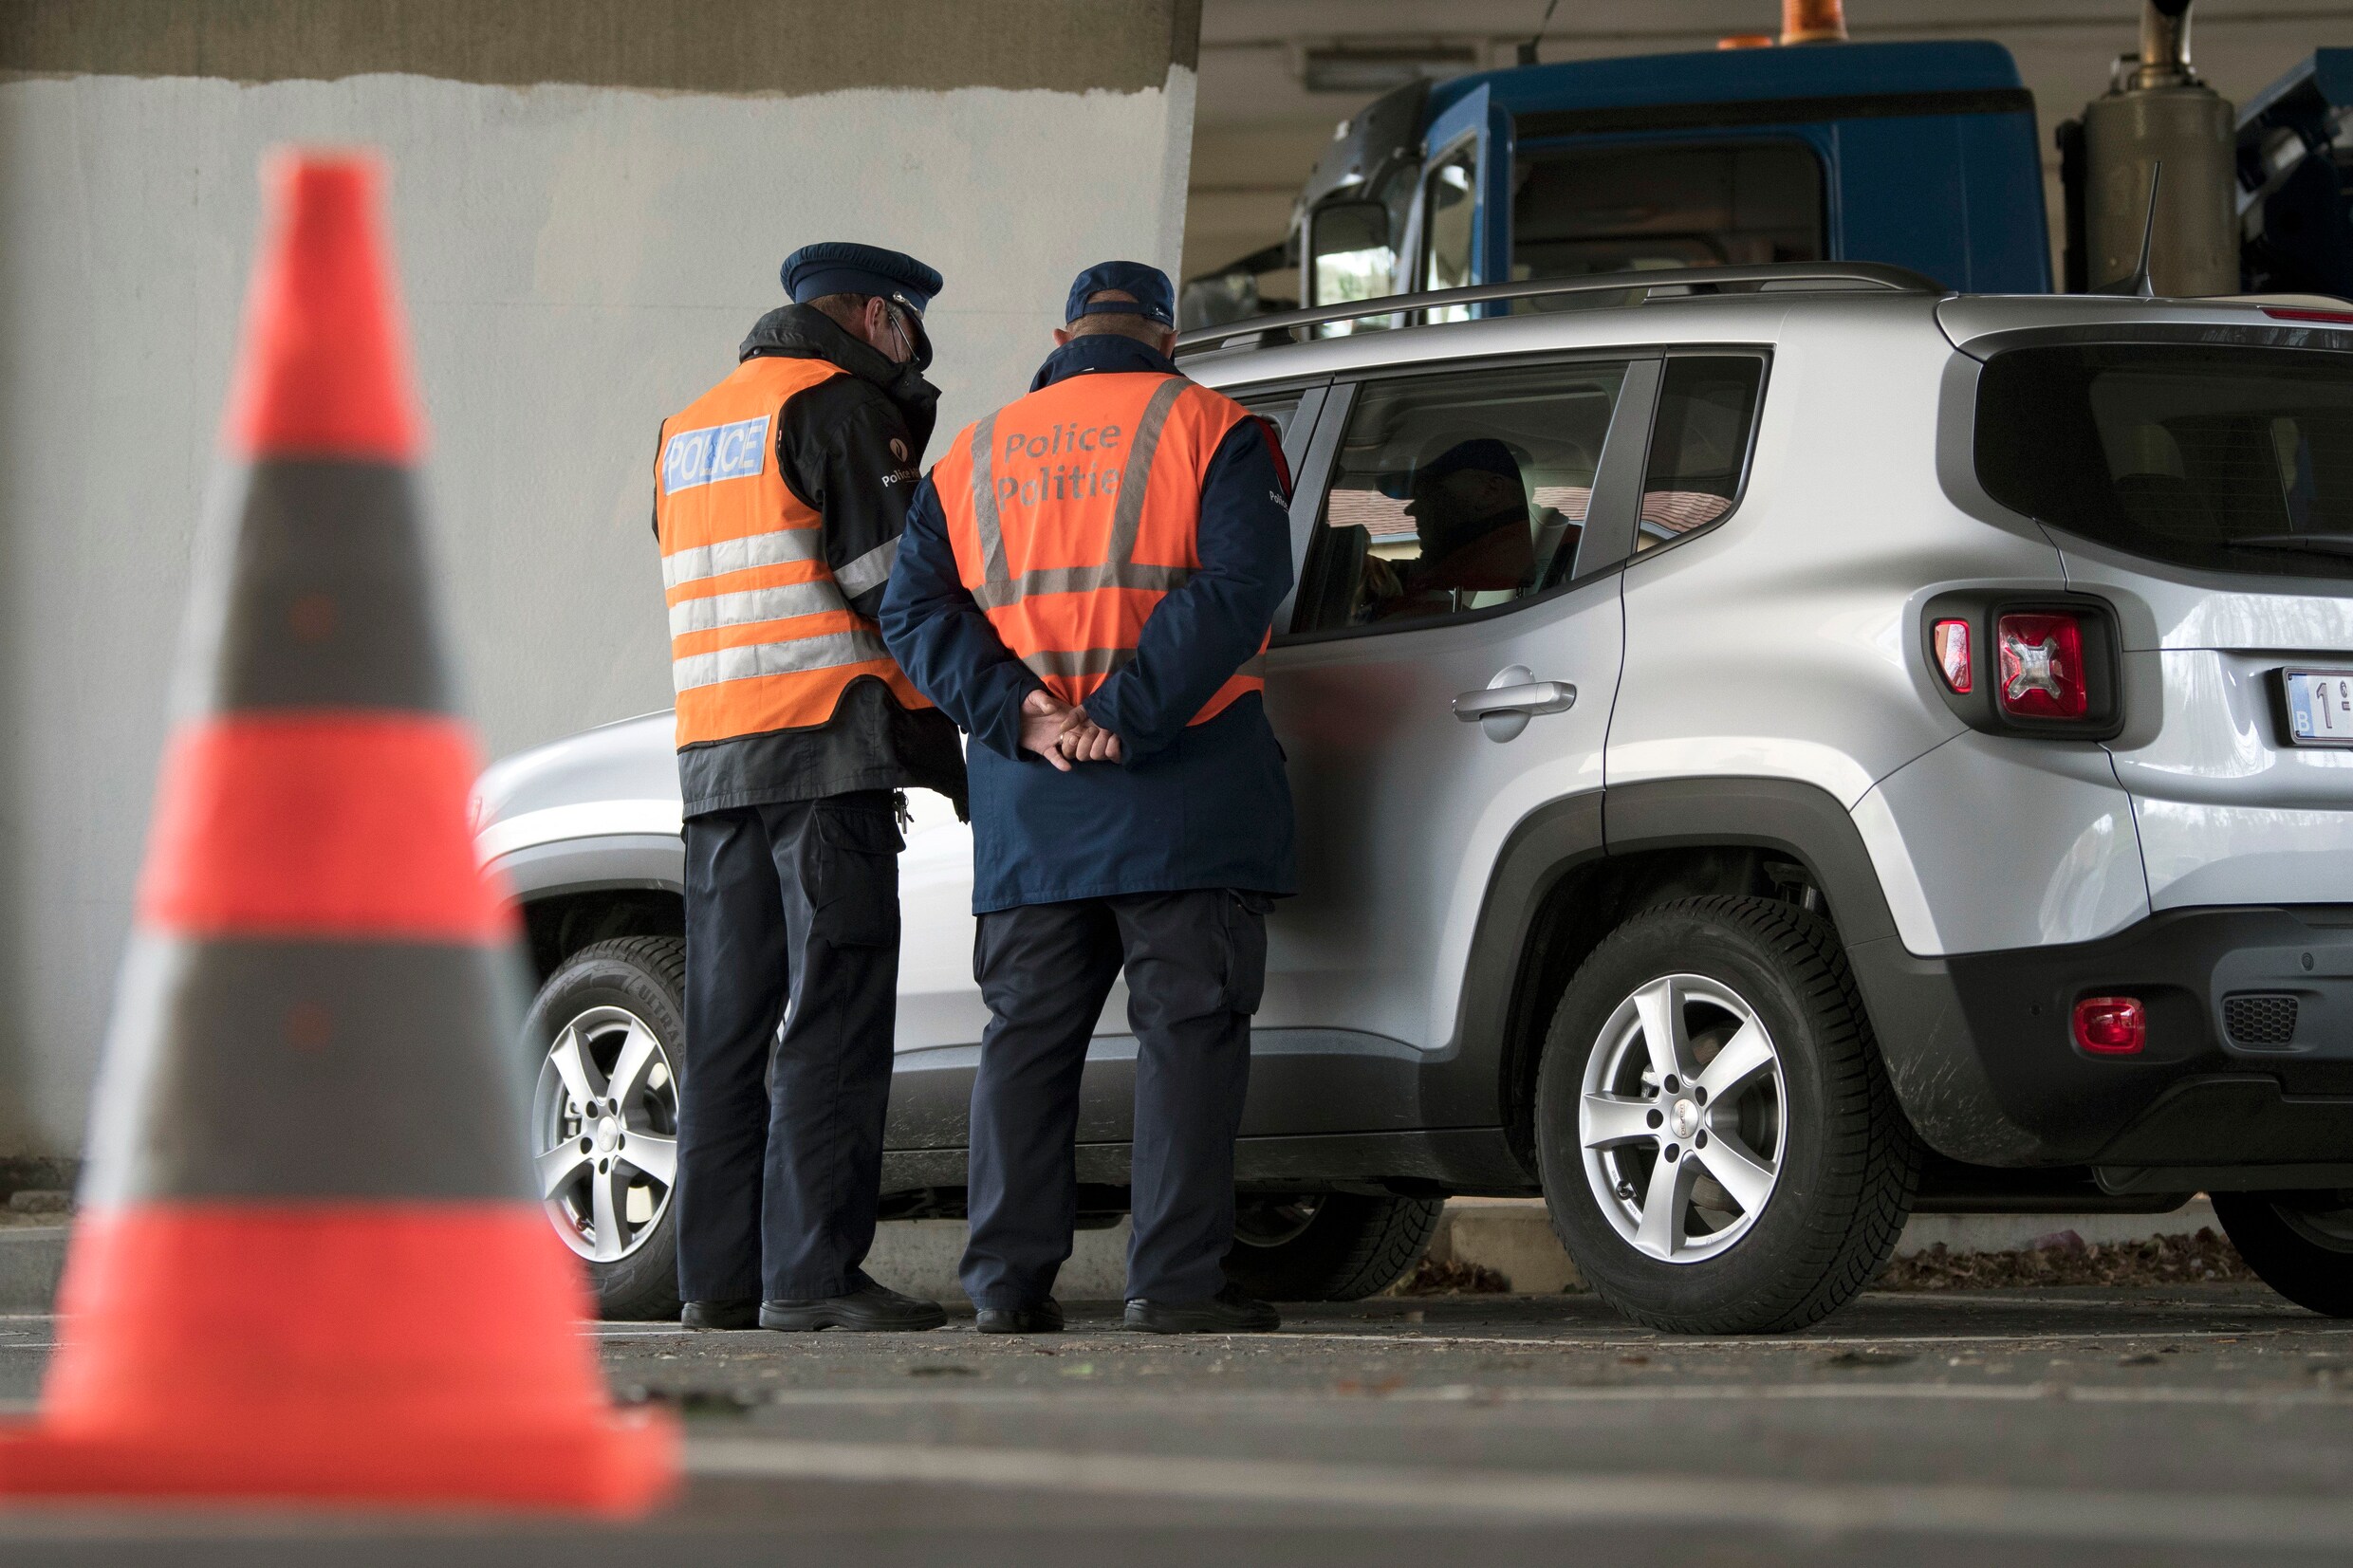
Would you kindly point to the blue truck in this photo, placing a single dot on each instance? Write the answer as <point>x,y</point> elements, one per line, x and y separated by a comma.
<point>1925,155</point>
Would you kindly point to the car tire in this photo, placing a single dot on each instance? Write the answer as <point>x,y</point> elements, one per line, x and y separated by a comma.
<point>600,1000</point>
<point>1332,1246</point>
<point>1754,996</point>
<point>2301,1243</point>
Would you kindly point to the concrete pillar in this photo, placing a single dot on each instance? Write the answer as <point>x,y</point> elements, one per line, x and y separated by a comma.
<point>590,199</point>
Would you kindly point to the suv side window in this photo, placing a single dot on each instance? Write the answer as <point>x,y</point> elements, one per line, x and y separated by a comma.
<point>1699,444</point>
<point>1456,492</point>
<point>1277,409</point>
<point>1291,414</point>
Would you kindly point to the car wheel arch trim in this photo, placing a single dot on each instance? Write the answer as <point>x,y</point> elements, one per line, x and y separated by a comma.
<point>1497,1033</point>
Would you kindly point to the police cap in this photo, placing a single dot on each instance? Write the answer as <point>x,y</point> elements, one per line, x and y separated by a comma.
<point>1154,296</point>
<point>841,267</point>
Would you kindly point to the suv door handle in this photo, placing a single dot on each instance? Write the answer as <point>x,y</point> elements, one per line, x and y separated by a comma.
<point>1536,696</point>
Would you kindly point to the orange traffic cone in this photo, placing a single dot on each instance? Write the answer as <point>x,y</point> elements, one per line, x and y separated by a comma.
<point>311,1262</point>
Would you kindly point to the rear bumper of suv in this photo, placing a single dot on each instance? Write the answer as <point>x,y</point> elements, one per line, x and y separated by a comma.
<point>2246,1080</point>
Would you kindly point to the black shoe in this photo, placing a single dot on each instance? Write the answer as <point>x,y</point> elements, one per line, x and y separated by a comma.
<point>1228,1312</point>
<point>712,1314</point>
<point>866,1305</point>
<point>1038,1317</point>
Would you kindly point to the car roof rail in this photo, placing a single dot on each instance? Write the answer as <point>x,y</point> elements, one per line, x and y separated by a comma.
<point>1256,330</point>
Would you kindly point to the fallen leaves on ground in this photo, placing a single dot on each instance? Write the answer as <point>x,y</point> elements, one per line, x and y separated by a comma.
<point>1432,1278</point>
<point>1373,1387</point>
<point>2066,1259</point>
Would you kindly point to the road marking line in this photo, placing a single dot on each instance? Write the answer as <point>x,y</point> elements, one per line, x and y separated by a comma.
<point>2323,1328</point>
<point>2319,1328</point>
<point>2268,1305</point>
<point>1129,1397</point>
<point>1491,1496</point>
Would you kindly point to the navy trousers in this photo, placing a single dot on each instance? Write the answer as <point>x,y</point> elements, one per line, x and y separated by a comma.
<point>791,992</point>
<point>1196,962</point>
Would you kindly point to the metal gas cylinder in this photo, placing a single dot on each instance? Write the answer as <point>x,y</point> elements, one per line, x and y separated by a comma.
<point>2156,112</point>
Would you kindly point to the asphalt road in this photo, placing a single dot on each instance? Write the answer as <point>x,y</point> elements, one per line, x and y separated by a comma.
<point>2187,1425</point>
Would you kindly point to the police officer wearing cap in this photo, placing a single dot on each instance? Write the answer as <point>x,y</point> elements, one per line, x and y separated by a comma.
<point>779,500</point>
<point>1085,585</point>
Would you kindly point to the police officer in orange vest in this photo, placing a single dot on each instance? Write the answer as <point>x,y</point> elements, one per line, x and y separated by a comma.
<point>1085,585</point>
<point>779,499</point>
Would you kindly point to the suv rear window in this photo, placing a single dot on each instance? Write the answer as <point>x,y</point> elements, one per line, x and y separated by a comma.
<point>2229,459</point>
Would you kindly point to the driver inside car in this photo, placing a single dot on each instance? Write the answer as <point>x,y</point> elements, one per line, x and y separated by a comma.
<point>1470,510</point>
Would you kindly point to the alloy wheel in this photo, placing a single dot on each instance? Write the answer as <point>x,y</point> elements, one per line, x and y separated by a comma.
<point>1274,1221</point>
<point>1682,1119</point>
<point>604,1118</point>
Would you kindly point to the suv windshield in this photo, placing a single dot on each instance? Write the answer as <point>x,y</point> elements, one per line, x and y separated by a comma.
<point>2230,459</point>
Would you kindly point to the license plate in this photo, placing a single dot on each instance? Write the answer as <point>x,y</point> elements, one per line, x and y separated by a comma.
<point>2319,707</point>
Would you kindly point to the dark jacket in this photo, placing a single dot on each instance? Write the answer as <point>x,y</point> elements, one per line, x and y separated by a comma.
<point>850,447</point>
<point>1190,805</point>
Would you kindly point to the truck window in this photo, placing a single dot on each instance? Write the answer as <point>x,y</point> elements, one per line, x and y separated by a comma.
<point>1450,212</point>
<point>2216,457</point>
<point>1455,493</point>
<point>1698,444</point>
<point>1589,210</point>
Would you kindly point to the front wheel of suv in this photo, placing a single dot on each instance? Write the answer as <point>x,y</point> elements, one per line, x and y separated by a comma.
<point>604,1035</point>
<point>1720,1147</point>
<point>2301,1243</point>
<point>1333,1246</point>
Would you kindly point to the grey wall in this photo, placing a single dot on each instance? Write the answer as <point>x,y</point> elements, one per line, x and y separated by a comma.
<point>590,201</point>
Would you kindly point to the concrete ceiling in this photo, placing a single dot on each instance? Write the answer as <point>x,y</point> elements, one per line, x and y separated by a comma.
<point>1261,127</point>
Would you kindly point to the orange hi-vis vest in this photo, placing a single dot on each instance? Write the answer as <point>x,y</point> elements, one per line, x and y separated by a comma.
<point>1075,510</point>
<point>761,637</point>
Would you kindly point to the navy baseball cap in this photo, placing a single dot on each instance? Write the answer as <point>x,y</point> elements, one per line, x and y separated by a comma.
<point>1154,296</point>
<point>1480,455</point>
<point>840,267</point>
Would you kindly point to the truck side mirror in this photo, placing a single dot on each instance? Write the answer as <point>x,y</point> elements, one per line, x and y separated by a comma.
<point>1350,256</point>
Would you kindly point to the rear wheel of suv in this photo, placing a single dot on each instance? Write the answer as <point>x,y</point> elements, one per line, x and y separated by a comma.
<point>1720,1147</point>
<point>2300,1242</point>
<point>604,1035</point>
<point>1333,1246</point>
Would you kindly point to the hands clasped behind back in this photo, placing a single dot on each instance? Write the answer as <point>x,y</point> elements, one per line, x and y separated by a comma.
<point>1062,733</point>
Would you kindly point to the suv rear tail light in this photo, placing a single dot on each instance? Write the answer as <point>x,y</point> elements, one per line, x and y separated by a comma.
<point>2026,665</point>
<point>2111,1025</point>
<point>1951,640</point>
<point>2042,666</point>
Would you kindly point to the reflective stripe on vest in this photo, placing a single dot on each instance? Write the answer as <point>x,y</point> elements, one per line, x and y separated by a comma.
<point>760,634</point>
<point>1068,558</point>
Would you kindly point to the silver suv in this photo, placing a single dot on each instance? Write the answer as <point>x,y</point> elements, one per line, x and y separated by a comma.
<point>1776,749</point>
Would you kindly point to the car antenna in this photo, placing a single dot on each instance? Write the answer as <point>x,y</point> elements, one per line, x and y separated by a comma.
<point>2138,285</point>
<point>1528,50</point>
